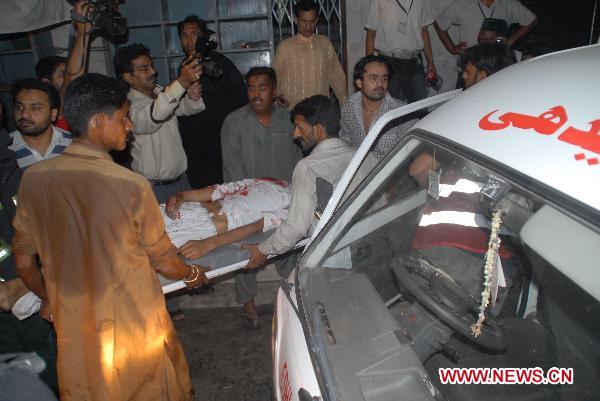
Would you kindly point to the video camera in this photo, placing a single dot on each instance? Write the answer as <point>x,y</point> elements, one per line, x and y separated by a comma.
<point>104,15</point>
<point>206,42</point>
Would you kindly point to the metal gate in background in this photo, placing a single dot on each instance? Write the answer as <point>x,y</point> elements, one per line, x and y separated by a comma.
<point>331,22</point>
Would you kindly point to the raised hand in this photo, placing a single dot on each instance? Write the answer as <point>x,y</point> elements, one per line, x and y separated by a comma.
<point>190,72</point>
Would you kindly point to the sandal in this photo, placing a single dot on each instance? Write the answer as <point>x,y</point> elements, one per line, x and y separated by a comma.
<point>176,315</point>
<point>250,320</point>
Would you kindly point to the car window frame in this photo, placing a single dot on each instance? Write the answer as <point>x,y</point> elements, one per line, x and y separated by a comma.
<point>322,244</point>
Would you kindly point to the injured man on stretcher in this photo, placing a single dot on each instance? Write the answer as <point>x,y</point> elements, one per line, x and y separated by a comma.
<point>199,221</point>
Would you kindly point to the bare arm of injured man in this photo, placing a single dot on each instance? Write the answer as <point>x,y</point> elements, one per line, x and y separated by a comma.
<point>196,248</point>
<point>195,195</point>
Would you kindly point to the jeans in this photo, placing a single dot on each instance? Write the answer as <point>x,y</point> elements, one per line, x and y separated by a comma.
<point>408,79</point>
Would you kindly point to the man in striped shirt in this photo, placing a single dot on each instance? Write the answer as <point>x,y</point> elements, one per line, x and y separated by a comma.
<point>36,138</point>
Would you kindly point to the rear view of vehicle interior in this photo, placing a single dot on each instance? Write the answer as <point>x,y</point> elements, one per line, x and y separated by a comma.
<point>399,292</point>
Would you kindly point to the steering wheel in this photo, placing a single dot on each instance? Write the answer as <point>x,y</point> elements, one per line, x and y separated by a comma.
<point>449,302</point>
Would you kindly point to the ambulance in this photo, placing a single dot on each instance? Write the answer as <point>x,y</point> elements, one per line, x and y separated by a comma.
<point>467,265</point>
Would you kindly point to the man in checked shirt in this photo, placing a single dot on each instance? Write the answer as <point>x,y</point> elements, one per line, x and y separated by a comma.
<point>365,107</point>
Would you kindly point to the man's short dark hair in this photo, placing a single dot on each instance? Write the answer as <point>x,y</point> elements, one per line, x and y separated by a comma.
<point>125,55</point>
<point>46,66</point>
<point>306,5</point>
<point>89,95</point>
<point>191,19</point>
<point>268,71</point>
<point>319,109</point>
<point>361,65</point>
<point>32,83</point>
<point>490,58</point>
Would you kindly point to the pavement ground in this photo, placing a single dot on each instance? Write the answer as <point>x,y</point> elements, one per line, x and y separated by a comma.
<point>228,361</point>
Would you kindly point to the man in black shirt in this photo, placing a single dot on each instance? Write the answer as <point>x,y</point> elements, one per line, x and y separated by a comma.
<point>200,133</point>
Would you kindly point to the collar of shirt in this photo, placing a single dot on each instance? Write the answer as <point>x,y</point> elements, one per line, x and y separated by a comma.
<point>388,104</point>
<point>279,113</point>
<point>304,39</point>
<point>18,141</point>
<point>327,144</point>
<point>80,147</point>
<point>174,91</point>
<point>137,95</point>
<point>253,114</point>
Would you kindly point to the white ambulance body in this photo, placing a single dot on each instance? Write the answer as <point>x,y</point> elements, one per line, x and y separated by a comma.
<point>495,196</point>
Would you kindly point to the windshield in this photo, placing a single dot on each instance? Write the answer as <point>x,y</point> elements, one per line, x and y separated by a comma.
<point>429,270</point>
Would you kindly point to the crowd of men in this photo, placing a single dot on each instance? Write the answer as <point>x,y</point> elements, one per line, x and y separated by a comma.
<point>87,235</point>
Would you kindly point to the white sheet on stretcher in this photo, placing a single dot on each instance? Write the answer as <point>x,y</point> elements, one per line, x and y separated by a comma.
<point>224,260</point>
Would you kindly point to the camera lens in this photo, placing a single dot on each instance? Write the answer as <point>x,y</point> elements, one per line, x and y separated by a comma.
<point>104,16</point>
<point>118,26</point>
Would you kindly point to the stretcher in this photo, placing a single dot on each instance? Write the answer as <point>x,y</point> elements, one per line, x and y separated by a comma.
<point>223,260</point>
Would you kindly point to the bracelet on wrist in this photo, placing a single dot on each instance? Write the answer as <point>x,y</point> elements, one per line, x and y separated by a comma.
<point>194,273</point>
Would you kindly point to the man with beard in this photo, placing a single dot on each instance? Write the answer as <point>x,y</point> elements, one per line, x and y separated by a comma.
<point>479,62</point>
<point>157,151</point>
<point>36,107</point>
<point>33,334</point>
<point>36,104</point>
<point>365,107</point>
<point>317,123</point>
<point>201,133</point>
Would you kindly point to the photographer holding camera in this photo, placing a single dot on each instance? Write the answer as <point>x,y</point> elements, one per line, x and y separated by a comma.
<point>201,133</point>
<point>157,151</point>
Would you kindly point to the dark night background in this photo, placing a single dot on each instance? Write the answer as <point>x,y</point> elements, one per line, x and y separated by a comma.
<point>561,24</point>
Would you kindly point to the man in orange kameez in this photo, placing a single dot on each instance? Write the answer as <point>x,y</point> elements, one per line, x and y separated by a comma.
<point>100,237</point>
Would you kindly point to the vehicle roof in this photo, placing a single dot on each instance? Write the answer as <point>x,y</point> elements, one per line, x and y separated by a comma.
<point>540,117</point>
